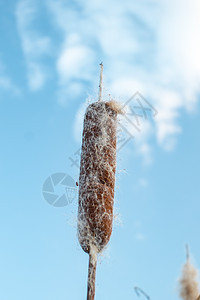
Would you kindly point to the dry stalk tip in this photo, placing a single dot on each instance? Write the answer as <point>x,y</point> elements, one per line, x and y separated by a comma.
<point>101,82</point>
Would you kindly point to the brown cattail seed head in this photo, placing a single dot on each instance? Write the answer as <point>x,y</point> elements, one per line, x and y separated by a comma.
<point>97,175</point>
<point>188,288</point>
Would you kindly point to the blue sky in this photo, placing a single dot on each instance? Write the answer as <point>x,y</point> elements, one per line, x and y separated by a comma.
<point>49,70</point>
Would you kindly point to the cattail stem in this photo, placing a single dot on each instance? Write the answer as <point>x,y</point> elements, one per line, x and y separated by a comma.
<point>100,83</point>
<point>187,252</point>
<point>91,276</point>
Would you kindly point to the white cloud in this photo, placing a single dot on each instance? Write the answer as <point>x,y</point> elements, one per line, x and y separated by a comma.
<point>140,236</point>
<point>74,62</point>
<point>34,46</point>
<point>6,83</point>
<point>150,46</point>
<point>145,151</point>
<point>74,67</point>
<point>69,91</point>
<point>143,182</point>
<point>36,75</point>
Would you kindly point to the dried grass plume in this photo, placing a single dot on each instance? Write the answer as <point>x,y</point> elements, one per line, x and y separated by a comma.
<point>188,283</point>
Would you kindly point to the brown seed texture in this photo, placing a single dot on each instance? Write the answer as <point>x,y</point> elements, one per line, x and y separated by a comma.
<point>97,176</point>
<point>188,282</point>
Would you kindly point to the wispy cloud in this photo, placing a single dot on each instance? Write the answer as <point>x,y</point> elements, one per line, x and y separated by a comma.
<point>140,236</point>
<point>34,45</point>
<point>77,58</point>
<point>74,68</point>
<point>149,46</point>
<point>6,83</point>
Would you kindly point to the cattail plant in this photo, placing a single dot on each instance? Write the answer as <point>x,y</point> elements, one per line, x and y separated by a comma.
<point>97,181</point>
<point>188,284</point>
